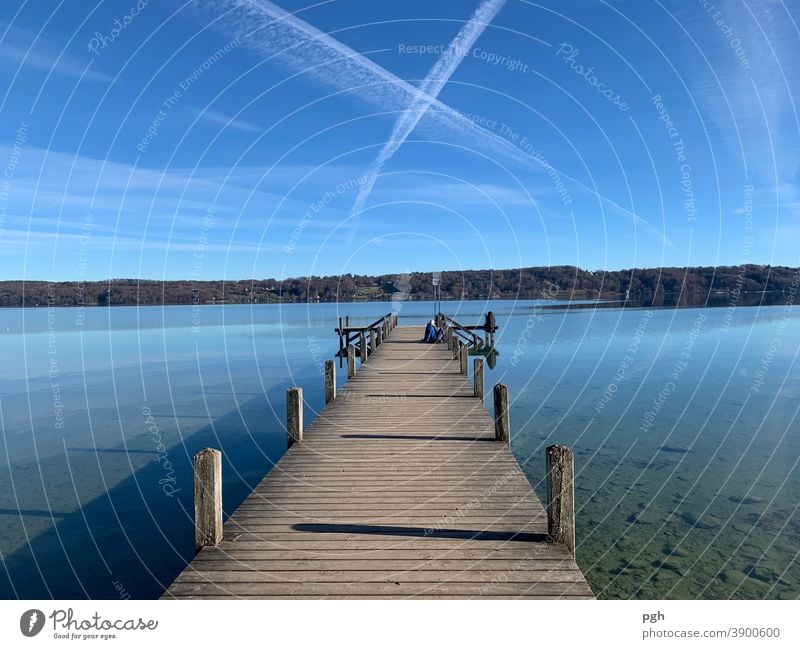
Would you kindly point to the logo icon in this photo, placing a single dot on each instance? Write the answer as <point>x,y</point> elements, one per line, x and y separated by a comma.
<point>31,622</point>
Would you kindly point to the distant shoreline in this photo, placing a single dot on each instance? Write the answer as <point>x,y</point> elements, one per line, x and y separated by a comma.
<point>767,298</point>
<point>697,286</point>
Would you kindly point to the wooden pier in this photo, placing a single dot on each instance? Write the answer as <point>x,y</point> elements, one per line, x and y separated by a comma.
<point>398,489</point>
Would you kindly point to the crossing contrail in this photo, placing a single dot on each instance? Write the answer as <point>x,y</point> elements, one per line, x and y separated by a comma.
<point>289,41</point>
<point>429,90</point>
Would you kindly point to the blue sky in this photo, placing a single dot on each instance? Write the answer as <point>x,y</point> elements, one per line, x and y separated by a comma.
<point>226,139</point>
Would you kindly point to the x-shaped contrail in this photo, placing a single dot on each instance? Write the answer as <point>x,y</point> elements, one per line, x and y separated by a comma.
<point>294,43</point>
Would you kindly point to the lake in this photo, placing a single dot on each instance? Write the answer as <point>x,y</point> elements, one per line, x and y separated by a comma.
<point>683,422</point>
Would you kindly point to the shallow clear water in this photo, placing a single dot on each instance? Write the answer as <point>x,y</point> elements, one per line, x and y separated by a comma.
<point>683,423</point>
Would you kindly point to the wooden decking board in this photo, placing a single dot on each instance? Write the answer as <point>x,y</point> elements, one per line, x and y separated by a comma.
<point>398,490</point>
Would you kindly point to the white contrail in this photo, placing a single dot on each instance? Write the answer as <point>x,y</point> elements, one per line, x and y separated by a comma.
<point>304,49</point>
<point>430,88</point>
<point>292,42</point>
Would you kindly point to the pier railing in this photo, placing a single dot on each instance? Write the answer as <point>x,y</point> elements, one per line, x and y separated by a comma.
<point>363,338</point>
<point>476,336</point>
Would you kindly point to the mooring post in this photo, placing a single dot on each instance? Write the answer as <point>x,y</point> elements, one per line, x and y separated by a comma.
<point>463,355</point>
<point>330,381</point>
<point>561,496</point>
<point>294,415</point>
<point>207,465</point>
<point>351,361</point>
<point>362,343</point>
<point>502,427</point>
<point>477,373</point>
<point>347,321</point>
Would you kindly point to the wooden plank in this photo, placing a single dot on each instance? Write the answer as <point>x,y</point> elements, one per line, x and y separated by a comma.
<point>399,489</point>
<point>394,589</point>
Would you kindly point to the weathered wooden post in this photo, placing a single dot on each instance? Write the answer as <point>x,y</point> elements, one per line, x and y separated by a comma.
<point>207,465</point>
<point>502,425</point>
<point>378,336</point>
<point>294,415</point>
<point>478,378</point>
<point>351,361</point>
<point>330,381</point>
<point>463,356</point>
<point>456,347</point>
<point>561,496</point>
<point>362,343</point>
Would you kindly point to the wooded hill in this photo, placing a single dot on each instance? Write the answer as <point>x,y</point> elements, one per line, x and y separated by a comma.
<point>648,286</point>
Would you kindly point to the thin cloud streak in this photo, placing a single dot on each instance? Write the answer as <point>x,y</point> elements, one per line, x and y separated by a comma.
<point>16,49</point>
<point>218,117</point>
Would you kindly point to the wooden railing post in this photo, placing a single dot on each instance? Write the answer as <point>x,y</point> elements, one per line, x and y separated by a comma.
<point>456,347</point>
<point>378,336</point>
<point>502,425</point>
<point>294,415</point>
<point>330,381</point>
<point>561,496</point>
<point>478,378</point>
<point>362,343</point>
<point>207,466</point>
<point>463,355</point>
<point>351,361</point>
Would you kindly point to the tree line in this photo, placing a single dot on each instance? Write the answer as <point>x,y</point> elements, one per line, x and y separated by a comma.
<point>649,286</point>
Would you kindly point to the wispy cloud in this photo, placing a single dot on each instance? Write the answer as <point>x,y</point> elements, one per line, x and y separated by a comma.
<point>429,90</point>
<point>746,87</point>
<point>27,49</point>
<point>218,117</point>
<point>286,40</point>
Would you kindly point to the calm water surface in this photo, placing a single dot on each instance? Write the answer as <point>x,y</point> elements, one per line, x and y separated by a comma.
<point>684,424</point>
